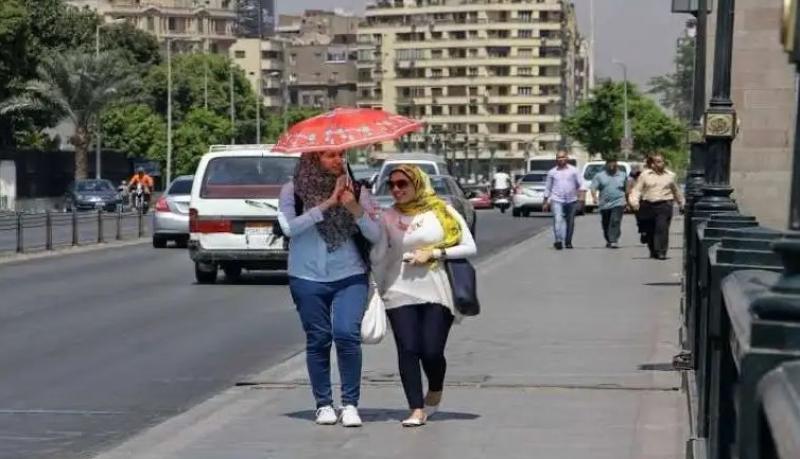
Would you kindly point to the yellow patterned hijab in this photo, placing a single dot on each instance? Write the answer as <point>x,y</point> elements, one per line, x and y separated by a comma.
<point>426,200</point>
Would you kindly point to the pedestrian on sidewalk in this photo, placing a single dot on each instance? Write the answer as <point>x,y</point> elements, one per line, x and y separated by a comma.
<point>609,191</point>
<point>654,197</point>
<point>563,193</point>
<point>636,172</point>
<point>421,231</point>
<point>323,217</point>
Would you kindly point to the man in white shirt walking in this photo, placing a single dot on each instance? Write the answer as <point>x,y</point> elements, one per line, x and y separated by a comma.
<point>563,193</point>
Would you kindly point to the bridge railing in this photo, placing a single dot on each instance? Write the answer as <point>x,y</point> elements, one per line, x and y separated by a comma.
<point>23,232</point>
<point>738,329</point>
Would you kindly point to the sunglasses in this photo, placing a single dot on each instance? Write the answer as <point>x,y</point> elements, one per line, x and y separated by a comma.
<point>401,184</point>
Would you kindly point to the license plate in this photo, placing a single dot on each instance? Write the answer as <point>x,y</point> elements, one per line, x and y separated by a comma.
<point>258,229</point>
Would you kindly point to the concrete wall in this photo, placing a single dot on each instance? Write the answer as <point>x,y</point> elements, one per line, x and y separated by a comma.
<point>763,89</point>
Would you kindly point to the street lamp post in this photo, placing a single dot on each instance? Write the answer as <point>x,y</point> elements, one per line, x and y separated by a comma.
<point>233,105</point>
<point>720,120</point>
<point>169,114</point>
<point>626,136</point>
<point>98,162</point>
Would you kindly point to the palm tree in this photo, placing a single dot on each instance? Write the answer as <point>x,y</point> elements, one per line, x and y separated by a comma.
<point>75,87</point>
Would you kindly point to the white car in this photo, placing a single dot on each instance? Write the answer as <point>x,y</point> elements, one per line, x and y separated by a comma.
<point>591,169</point>
<point>233,207</point>
<point>529,194</point>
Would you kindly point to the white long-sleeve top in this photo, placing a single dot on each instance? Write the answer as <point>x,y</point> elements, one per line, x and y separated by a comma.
<point>401,283</point>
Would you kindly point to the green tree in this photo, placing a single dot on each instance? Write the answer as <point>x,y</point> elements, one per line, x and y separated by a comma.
<point>135,129</point>
<point>598,122</point>
<point>675,90</point>
<point>188,87</point>
<point>197,131</point>
<point>274,123</point>
<point>75,87</point>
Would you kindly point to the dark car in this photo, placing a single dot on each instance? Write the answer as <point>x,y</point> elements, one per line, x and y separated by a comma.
<point>90,195</point>
<point>448,189</point>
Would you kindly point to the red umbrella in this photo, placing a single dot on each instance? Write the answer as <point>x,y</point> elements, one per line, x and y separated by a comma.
<point>344,128</point>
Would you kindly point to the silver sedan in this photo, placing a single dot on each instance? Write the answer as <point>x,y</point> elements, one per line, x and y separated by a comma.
<point>171,216</point>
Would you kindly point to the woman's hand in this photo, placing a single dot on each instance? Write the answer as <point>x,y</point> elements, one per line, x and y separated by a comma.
<point>422,256</point>
<point>349,201</point>
<point>333,200</point>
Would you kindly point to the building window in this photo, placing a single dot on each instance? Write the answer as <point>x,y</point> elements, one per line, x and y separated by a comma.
<point>525,91</point>
<point>151,23</point>
<point>525,34</point>
<point>524,129</point>
<point>171,24</point>
<point>473,128</point>
<point>239,54</point>
<point>436,73</point>
<point>524,71</point>
<point>525,52</point>
<point>525,110</point>
<point>502,128</point>
<point>473,71</point>
<point>436,110</point>
<point>436,92</point>
<point>473,109</point>
<point>526,16</point>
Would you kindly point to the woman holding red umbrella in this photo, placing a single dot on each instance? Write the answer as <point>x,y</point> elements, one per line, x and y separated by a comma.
<point>327,270</point>
<point>323,217</point>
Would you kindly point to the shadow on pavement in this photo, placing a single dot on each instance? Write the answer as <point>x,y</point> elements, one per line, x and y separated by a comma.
<point>385,415</point>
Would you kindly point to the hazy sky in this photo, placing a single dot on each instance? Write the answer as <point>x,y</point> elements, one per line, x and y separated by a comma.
<point>642,33</point>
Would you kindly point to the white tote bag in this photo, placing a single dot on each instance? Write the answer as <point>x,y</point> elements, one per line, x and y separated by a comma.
<point>373,325</point>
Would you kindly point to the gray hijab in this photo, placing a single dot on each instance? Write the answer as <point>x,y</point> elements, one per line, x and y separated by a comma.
<point>313,184</point>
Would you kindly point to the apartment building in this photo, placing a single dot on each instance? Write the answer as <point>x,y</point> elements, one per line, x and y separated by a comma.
<point>191,25</point>
<point>310,62</point>
<point>492,79</point>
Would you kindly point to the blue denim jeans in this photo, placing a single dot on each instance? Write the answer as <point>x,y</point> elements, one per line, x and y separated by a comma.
<point>564,220</point>
<point>331,312</point>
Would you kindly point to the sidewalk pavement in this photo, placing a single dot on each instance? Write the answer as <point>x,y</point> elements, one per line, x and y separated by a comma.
<point>569,360</point>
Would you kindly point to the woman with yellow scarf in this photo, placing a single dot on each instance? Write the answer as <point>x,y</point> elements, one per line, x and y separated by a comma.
<point>420,231</point>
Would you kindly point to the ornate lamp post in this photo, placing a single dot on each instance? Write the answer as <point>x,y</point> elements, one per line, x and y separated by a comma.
<point>720,120</point>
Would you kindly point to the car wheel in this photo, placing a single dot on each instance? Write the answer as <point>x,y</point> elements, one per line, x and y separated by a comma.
<point>182,242</point>
<point>159,242</point>
<point>516,213</point>
<point>205,274</point>
<point>232,272</point>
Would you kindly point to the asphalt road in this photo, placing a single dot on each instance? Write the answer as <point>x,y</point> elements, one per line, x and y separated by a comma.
<point>96,347</point>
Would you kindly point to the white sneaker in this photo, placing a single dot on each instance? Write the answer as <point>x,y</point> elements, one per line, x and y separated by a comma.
<point>350,417</point>
<point>327,416</point>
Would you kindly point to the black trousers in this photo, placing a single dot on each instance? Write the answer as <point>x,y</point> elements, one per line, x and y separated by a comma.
<point>612,223</point>
<point>420,332</point>
<point>656,218</point>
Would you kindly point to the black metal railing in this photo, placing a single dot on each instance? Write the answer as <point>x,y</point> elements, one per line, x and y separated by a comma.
<point>23,232</point>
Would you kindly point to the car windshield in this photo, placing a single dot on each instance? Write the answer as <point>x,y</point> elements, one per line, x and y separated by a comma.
<point>89,186</point>
<point>246,177</point>
<point>531,178</point>
<point>181,187</point>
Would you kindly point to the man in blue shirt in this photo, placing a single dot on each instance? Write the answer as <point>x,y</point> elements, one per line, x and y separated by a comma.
<point>608,188</point>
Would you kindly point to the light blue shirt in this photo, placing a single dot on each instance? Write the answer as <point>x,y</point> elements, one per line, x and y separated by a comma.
<point>309,258</point>
<point>611,189</point>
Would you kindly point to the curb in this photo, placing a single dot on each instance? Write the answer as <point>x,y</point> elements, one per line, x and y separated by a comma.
<point>76,250</point>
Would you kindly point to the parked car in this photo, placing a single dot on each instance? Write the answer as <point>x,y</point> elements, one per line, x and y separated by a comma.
<point>431,164</point>
<point>480,197</point>
<point>171,216</point>
<point>448,189</point>
<point>233,207</point>
<point>92,194</point>
<point>591,169</point>
<point>529,194</point>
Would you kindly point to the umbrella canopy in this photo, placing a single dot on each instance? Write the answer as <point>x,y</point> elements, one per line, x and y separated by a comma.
<point>344,128</point>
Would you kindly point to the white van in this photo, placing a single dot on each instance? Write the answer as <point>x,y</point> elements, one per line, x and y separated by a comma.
<point>593,168</point>
<point>233,207</point>
<point>431,164</point>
